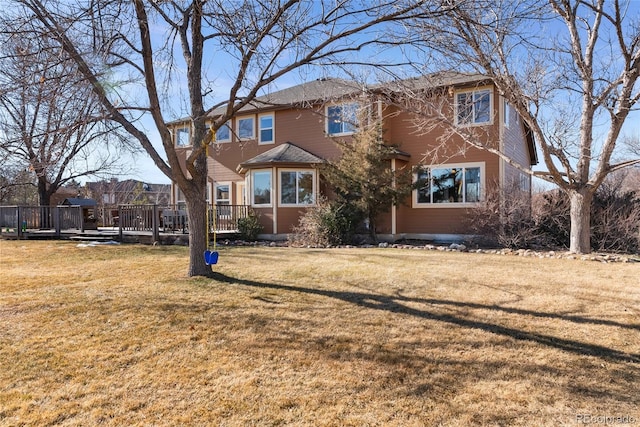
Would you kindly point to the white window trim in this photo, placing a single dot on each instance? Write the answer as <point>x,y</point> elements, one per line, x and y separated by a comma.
<point>314,185</point>
<point>506,112</point>
<point>209,192</point>
<point>455,205</point>
<point>251,192</point>
<point>215,191</point>
<point>273,129</point>
<point>326,121</point>
<point>178,195</point>
<point>228,124</point>
<point>472,91</point>
<point>177,139</point>
<point>253,128</point>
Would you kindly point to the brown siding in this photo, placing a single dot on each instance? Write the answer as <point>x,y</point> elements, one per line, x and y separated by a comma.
<point>306,128</point>
<point>439,220</point>
<point>515,147</point>
<point>288,217</point>
<point>265,216</point>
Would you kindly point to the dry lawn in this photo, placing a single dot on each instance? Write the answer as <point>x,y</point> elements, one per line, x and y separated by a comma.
<point>117,335</point>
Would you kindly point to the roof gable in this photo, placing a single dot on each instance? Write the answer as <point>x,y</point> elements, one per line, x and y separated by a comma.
<point>286,153</point>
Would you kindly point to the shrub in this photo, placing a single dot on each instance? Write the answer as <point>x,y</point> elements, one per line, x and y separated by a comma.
<point>615,220</point>
<point>249,227</point>
<point>328,223</point>
<point>552,219</point>
<point>503,219</point>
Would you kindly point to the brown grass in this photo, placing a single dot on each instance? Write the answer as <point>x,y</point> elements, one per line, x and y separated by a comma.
<point>117,335</point>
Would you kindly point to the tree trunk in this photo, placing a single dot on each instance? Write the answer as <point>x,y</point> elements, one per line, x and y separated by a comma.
<point>580,238</point>
<point>197,211</point>
<point>44,196</point>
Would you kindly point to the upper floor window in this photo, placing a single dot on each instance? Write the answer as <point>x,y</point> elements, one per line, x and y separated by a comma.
<point>506,112</point>
<point>297,187</point>
<point>449,184</point>
<point>245,128</point>
<point>342,119</point>
<point>182,137</point>
<point>473,107</point>
<point>265,123</point>
<point>223,134</point>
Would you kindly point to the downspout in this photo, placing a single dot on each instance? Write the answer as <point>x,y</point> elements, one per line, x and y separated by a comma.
<point>274,202</point>
<point>394,206</point>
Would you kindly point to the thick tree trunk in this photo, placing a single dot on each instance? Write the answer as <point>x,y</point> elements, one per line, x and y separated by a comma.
<point>44,196</point>
<point>580,238</point>
<point>197,210</point>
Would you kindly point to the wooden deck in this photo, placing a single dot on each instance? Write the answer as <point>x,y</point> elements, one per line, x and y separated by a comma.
<point>134,223</point>
<point>103,234</point>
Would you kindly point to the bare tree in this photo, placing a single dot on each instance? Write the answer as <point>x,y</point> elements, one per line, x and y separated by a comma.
<point>227,54</point>
<point>50,118</point>
<point>569,68</point>
<point>17,185</point>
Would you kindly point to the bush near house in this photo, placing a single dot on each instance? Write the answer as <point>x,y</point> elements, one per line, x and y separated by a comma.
<point>506,219</point>
<point>329,223</point>
<point>249,227</point>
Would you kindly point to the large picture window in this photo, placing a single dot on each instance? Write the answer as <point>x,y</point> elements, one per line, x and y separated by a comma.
<point>297,188</point>
<point>342,119</point>
<point>261,187</point>
<point>449,184</point>
<point>474,107</point>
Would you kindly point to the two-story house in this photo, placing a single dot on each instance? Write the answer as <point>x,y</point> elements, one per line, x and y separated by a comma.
<point>268,155</point>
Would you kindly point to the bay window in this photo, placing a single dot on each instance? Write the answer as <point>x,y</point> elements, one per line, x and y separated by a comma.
<point>297,187</point>
<point>261,187</point>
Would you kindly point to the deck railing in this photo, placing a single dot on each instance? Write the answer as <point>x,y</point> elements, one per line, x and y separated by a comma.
<point>127,218</point>
<point>19,219</point>
<point>175,218</point>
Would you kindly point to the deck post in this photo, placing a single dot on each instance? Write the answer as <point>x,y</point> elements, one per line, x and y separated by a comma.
<point>120,221</point>
<point>56,220</point>
<point>19,221</point>
<point>81,219</point>
<point>155,224</point>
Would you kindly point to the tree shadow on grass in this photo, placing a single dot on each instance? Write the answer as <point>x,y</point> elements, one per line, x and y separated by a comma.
<point>396,304</point>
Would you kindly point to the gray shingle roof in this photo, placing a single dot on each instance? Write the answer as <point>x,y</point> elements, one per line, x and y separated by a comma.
<point>76,201</point>
<point>331,89</point>
<point>313,91</point>
<point>286,153</point>
<point>320,90</point>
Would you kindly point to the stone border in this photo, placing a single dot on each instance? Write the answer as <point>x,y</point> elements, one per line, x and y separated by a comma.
<point>454,247</point>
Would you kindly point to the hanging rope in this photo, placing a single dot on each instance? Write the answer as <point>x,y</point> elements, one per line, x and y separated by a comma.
<point>210,257</point>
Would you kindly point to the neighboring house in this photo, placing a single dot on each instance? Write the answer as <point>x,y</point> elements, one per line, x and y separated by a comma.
<point>267,156</point>
<point>130,191</point>
<point>109,194</point>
